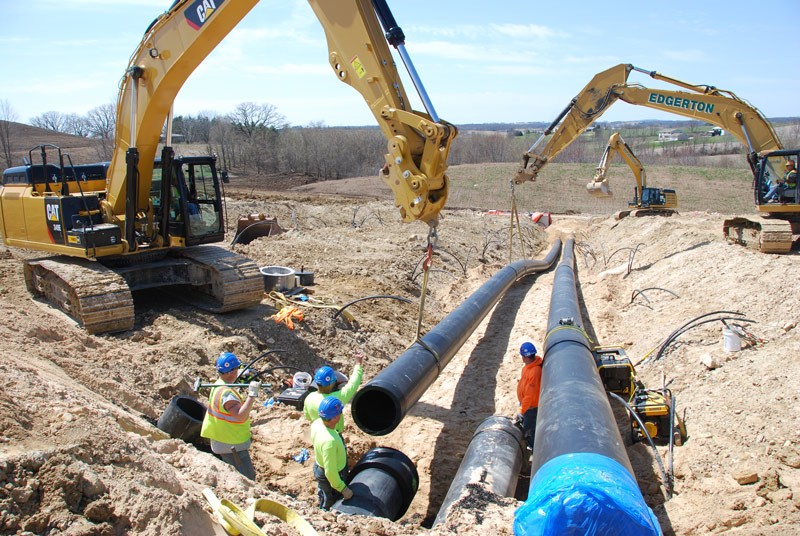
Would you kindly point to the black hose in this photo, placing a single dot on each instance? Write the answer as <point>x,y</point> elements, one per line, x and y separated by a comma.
<point>400,298</point>
<point>677,333</point>
<point>279,367</point>
<point>649,440</point>
<point>256,360</point>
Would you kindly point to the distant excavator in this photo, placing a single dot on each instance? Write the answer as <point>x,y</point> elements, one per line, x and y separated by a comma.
<point>774,229</point>
<point>647,200</point>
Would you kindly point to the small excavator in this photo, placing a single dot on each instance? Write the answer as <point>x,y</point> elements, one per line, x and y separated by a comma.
<point>142,221</point>
<point>773,229</point>
<point>647,200</point>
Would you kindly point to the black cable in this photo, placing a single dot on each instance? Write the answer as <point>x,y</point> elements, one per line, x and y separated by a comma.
<point>256,360</point>
<point>402,299</point>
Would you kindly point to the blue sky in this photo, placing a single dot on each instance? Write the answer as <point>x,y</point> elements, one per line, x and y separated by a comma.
<point>502,61</point>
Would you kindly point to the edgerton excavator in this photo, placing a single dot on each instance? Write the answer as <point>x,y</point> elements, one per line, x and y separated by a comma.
<point>142,221</point>
<point>773,229</point>
<point>647,200</point>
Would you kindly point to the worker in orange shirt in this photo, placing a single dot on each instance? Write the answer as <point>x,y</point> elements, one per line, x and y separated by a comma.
<point>528,391</point>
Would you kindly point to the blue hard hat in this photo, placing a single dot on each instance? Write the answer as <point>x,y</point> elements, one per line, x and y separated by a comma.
<point>325,376</point>
<point>527,349</point>
<point>330,407</point>
<point>227,362</point>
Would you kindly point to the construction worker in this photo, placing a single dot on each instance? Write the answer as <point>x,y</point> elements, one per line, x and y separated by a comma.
<point>528,391</point>
<point>330,456</point>
<point>325,378</point>
<point>788,182</point>
<point>227,419</point>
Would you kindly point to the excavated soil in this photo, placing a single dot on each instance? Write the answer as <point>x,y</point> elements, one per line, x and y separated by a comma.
<point>80,455</point>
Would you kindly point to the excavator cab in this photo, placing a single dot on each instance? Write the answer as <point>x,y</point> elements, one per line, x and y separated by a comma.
<point>194,207</point>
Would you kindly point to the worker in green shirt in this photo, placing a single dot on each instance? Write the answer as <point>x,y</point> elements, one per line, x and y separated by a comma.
<point>325,378</point>
<point>330,456</point>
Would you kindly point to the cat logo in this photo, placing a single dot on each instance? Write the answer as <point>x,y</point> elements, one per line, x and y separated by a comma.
<point>52,212</point>
<point>200,11</point>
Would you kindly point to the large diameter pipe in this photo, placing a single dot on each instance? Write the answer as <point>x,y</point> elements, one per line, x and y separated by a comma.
<point>380,406</point>
<point>384,482</point>
<point>495,457</point>
<point>582,481</point>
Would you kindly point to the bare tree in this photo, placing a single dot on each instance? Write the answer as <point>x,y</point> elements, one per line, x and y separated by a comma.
<point>250,117</point>
<point>102,122</point>
<point>7,115</point>
<point>51,120</point>
<point>76,125</point>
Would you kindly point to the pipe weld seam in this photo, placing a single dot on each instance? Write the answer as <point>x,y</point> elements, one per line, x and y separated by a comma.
<point>560,328</point>
<point>503,430</point>
<point>582,343</point>
<point>434,354</point>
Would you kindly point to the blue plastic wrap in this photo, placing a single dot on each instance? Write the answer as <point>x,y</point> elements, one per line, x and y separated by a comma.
<point>584,494</point>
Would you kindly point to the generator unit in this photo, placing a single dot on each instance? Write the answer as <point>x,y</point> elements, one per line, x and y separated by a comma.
<point>652,406</point>
<point>616,370</point>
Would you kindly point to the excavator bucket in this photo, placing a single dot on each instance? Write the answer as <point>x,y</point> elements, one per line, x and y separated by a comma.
<point>252,226</point>
<point>599,189</point>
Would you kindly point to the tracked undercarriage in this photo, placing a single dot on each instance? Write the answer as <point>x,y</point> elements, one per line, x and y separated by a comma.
<point>99,297</point>
<point>762,234</point>
<point>640,212</point>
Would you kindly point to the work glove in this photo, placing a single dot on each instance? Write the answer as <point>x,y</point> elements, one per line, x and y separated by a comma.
<point>347,493</point>
<point>518,419</point>
<point>252,391</point>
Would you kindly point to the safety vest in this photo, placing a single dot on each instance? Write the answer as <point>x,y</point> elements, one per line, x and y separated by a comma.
<point>221,425</point>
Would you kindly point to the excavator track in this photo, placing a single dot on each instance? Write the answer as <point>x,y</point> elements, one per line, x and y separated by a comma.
<point>94,295</point>
<point>234,281</point>
<point>764,235</point>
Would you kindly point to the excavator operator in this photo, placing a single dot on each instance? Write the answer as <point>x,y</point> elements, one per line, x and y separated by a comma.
<point>788,182</point>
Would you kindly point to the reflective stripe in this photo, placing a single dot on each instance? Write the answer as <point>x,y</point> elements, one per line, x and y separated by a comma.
<point>216,408</point>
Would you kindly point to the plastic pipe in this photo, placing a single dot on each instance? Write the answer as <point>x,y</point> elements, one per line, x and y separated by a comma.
<point>384,482</point>
<point>581,478</point>
<point>380,406</point>
<point>495,456</point>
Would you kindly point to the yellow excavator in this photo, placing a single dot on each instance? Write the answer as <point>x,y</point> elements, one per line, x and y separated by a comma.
<point>142,221</point>
<point>647,200</point>
<point>773,229</point>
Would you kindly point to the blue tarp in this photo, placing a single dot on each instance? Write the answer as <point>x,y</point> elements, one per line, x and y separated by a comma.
<point>584,494</point>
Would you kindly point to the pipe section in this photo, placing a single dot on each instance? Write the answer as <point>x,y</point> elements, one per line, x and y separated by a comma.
<point>582,481</point>
<point>384,482</point>
<point>380,406</point>
<point>495,456</point>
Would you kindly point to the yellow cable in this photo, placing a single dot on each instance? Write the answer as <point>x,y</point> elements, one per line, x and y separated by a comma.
<point>284,513</point>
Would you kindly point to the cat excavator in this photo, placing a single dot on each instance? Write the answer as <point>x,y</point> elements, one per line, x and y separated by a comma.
<point>647,200</point>
<point>142,221</point>
<point>773,229</point>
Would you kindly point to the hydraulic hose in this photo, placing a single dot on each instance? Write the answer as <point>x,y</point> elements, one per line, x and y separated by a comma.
<point>380,406</point>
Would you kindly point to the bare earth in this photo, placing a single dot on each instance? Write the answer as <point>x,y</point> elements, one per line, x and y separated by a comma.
<point>79,453</point>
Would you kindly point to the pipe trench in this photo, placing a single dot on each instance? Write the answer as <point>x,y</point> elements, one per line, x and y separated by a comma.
<point>381,404</point>
<point>581,478</point>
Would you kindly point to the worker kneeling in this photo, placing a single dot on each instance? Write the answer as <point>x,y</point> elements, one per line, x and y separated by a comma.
<point>330,465</point>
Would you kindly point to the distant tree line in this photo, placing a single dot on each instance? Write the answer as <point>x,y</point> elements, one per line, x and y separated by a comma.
<point>256,138</point>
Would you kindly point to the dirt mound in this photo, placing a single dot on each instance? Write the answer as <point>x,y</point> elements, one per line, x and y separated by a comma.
<point>79,452</point>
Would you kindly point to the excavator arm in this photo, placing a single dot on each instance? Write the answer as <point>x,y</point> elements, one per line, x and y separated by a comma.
<point>180,39</point>
<point>705,103</point>
<point>599,186</point>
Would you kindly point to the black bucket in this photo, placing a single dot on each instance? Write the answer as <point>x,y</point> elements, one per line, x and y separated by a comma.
<point>305,279</point>
<point>183,419</point>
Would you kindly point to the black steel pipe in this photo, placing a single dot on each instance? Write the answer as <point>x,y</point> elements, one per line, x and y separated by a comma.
<point>380,406</point>
<point>574,412</point>
<point>495,456</point>
<point>384,482</point>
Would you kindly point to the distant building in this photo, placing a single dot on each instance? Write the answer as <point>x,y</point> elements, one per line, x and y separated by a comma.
<point>672,135</point>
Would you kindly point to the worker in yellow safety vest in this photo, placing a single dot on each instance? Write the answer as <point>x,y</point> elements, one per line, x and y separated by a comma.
<point>325,379</point>
<point>330,456</point>
<point>227,419</point>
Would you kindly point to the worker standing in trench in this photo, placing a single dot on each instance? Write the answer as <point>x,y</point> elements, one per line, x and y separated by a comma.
<point>528,391</point>
<point>227,419</point>
<point>325,378</point>
<point>330,455</point>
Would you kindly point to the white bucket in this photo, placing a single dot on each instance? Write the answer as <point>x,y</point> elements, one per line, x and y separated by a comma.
<point>301,379</point>
<point>731,340</point>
